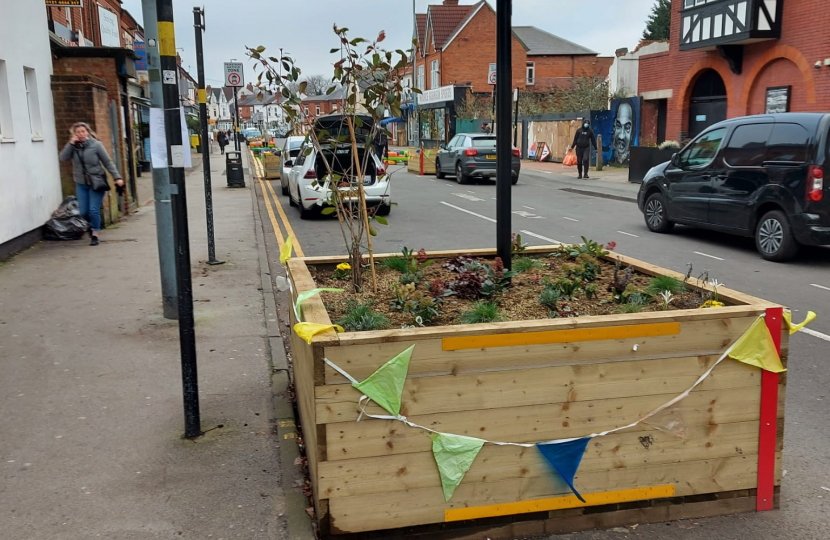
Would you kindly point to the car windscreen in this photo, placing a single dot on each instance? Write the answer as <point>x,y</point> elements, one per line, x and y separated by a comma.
<point>295,145</point>
<point>484,142</point>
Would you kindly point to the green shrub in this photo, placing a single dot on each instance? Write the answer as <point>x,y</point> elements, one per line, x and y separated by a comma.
<point>482,312</point>
<point>398,264</point>
<point>550,297</point>
<point>360,317</point>
<point>630,308</point>
<point>526,264</point>
<point>665,283</point>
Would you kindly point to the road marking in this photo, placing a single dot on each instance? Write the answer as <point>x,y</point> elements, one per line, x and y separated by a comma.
<point>467,211</point>
<point>468,197</point>
<point>529,208</point>
<point>707,255</point>
<point>820,287</point>
<point>540,237</point>
<point>286,223</point>
<point>271,216</point>
<point>473,192</point>
<point>494,198</point>
<point>813,333</point>
<point>528,215</point>
<point>569,218</point>
<point>628,234</point>
<point>266,187</point>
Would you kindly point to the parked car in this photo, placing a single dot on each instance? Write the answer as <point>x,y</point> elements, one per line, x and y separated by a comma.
<point>760,176</point>
<point>290,151</point>
<point>307,185</point>
<point>251,132</point>
<point>472,155</point>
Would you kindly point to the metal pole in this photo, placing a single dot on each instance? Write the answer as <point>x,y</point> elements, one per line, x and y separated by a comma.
<point>198,23</point>
<point>516,121</point>
<point>504,150</point>
<point>175,154</point>
<point>236,106</point>
<point>161,180</point>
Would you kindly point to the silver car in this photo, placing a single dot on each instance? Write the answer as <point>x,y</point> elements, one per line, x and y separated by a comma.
<point>290,151</point>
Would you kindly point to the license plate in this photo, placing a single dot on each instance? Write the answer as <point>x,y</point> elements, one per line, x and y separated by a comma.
<point>491,156</point>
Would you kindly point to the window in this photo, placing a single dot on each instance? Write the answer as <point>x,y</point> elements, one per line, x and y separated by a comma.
<point>531,73</point>
<point>788,143</point>
<point>421,78</point>
<point>305,109</point>
<point>6,131</point>
<point>454,142</point>
<point>317,109</point>
<point>484,142</point>
<point>701,152</point>
<point>32,100</point>
<point>435,80</point>
<point>748,146</point>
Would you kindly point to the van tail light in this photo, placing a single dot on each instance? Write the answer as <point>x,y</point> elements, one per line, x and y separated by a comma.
<point>516,153</point>
<point>311,174</point>
<point>470,152</point>
<point>815,184</point>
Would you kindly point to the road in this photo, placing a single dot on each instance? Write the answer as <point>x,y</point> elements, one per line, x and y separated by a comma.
<point>441,214</point>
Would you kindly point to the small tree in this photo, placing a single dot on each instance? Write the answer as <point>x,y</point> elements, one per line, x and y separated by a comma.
<point>658,25</point>
<point>374,85</point>
<point>316,85</point>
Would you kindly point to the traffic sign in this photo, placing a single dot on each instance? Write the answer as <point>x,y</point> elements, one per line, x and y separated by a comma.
<point>234,74</point>
<point>491,76</point>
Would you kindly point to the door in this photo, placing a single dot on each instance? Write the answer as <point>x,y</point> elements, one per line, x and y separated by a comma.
<point>445,155</point>
<point>690,182</point>
<point>735,190</point>
<point>708,103</point>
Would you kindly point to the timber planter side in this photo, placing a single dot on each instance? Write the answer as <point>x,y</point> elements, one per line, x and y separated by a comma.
<point>533,381</point>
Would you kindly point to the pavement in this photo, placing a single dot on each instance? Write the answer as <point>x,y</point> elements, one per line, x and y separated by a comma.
<point>91,411</point>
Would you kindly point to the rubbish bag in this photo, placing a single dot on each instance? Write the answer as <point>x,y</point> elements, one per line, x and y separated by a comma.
<point>570,159</point>
<point>66,222</point>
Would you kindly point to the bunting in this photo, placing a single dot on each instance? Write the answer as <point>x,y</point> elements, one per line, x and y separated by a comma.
<point>756,348</point>
<point>565,458</point>
<point>286,249</point>
<point>385,385</point>
<point>454,455</point>
<point>303,296</point>
<point>307,330</point>
<point>788,318</point>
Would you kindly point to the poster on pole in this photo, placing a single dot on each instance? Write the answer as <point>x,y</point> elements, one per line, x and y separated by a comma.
<point>188,158</point>
<point>234,74</point>
<point>158,139</point>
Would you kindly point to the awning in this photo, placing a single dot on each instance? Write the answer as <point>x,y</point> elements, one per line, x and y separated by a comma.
<point>392,121</point>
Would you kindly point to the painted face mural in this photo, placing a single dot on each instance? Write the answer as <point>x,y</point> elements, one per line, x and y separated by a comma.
<point>624,130</point>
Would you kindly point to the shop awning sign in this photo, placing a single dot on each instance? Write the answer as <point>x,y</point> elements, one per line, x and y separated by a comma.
<point>437,95</point>
<point>64,3</point>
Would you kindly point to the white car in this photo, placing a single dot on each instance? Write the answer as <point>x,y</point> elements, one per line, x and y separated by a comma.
<point>290,151</point>
<point>311,194</point>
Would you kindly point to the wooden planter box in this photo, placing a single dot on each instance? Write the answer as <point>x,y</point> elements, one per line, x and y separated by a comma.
<point>533,381</point>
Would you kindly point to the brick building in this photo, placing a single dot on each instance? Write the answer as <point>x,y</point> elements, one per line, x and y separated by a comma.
<point>731,58</point>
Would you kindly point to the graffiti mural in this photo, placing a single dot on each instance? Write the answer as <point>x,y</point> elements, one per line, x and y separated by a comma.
<point>620,129</point>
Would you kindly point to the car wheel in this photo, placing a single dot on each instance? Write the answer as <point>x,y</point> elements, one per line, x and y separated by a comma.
<point>438,173</point>
<point>291,200</point>
<point>515,180</point>
<point>655,214</point>
<point>285,190</point>
<point>309,213</point>
<point>384,210</point>
<point>460,177</point>
<point>774,238</point>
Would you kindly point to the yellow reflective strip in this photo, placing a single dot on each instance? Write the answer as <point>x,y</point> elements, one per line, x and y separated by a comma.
<point>559,503</point>
<point>560,336</point>
<point>202,96</point>
<point>167,39</point>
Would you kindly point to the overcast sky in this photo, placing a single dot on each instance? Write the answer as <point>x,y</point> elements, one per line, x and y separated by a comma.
<point>303,28</point>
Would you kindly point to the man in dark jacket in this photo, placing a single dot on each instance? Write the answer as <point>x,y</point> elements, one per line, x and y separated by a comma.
<point>583,141</point>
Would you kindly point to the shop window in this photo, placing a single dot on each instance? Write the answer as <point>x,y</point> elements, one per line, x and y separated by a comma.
<point>748,146</point>
<point>30,79</point>
<point>531,73</point>
<point>435,79</point>
<point>6,131</point>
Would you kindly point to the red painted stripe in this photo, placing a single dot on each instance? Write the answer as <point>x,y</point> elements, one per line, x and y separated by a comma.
<point>769,417</point>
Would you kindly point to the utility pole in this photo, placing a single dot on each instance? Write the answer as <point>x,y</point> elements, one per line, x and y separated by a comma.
<point>236,106</point>
<point>199,25</point>
<point>504,150</point>
<point>161,180</point>
<point>175,156</point>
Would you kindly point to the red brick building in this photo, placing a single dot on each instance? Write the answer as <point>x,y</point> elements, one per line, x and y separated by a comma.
<point>731,58</point>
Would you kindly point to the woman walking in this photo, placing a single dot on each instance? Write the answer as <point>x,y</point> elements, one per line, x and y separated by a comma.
<point>89,161</point>
<point>222,139</point>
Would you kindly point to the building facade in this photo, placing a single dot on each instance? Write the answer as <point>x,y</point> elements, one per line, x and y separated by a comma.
<point>624,75</point>
<point>731,58</point>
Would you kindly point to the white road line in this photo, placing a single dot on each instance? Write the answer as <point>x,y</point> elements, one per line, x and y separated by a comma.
<point>468,197</point>
<point>495,199</point>
<point>473,192</point>
<point>628,234</point>
<point>707,255</point>
<point>820,287</point>
<point>813,333</point>
<point>569,218</point>
<point>468,212</point>
<point>540,237</point>
<point>528,207</point>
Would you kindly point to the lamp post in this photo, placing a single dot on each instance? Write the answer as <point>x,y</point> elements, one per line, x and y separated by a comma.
<point>504,148</point>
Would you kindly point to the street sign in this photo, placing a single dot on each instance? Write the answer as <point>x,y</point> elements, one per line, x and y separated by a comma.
<point>234,74</point>
<point>491,76</point>
<point>64,3</point>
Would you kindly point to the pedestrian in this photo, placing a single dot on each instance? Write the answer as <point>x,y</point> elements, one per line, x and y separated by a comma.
<point>583,141</point>
<point>89,162</point>
<point>382,146</point>
<point>222,139</point>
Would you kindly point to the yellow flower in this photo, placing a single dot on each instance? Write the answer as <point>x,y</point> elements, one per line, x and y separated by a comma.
<point>712,304</point>
<point>344,266</point>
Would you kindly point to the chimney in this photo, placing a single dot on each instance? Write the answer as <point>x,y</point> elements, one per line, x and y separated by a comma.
<point>450,2</point>
<point>621,52</point>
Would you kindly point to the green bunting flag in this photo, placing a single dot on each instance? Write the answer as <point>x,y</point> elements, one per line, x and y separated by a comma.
<point>385,385</point>
<point>303,296</point>
<point>454,455</point>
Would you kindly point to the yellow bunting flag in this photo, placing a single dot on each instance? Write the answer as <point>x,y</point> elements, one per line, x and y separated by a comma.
<point>756,348</point>
<point>307,330</point>
<point>285,250</point>
<point>788,317</point>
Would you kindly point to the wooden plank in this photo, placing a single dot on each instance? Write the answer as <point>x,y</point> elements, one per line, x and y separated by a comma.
<point>696,338</point>
<point>422,506</point>
<point>562,384</point>
<point>561,336</point>
<point>496,464</point>
<point>769,417</point>
<point>368,438</point>
<point>559,503</point>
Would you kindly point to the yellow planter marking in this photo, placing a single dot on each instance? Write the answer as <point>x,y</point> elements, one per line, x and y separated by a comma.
<point>559,503</point>
<point>560,336</point>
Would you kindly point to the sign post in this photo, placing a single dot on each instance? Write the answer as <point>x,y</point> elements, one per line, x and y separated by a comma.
<point>492,77</point>
<point>504,151</point>
<point>235,78</point>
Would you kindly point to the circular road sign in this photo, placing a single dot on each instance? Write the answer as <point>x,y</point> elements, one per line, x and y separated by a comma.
<point>234,79</point>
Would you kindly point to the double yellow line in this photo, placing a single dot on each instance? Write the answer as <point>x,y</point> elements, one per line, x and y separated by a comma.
<point>265,185</point>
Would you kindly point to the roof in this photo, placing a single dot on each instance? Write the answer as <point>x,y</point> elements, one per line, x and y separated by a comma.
<point>421,29</point>
<point>338,95</point>
<point>541,43</point>
<point>228,90</point>
<point>446,20</point>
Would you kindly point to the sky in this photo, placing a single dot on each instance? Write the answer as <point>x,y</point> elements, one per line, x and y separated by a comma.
<point>303,28</point>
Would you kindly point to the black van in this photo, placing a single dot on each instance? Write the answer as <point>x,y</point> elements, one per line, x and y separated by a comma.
<point>760,176</point>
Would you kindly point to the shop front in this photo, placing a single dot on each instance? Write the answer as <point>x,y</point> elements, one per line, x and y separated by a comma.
<point>435,113</point>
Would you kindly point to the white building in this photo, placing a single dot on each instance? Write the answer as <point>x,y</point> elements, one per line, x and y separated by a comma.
<point>30,181</point>
<point>624,74</point>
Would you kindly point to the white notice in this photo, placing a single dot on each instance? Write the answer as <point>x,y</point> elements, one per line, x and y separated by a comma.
<point>158,139</point>
<point>177,155</point>
<point>188,159</point>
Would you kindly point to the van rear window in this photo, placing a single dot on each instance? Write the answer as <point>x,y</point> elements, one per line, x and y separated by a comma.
<point>788,143</point>
<point>484,142</point>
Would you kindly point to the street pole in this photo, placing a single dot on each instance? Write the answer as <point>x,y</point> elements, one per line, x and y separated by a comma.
<point>504,150</point>
<point>236,106</point>
<point>161,180</point>
<point>199,24</point>
<point>516,120</point>
<point>175,156</point>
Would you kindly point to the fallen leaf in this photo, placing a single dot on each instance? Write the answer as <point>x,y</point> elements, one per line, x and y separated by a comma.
<point>310,511</point>
<point>298,461</point>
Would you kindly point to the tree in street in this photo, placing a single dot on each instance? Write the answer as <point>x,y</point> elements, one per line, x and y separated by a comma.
<point>658,25</point>
<point>316,85</point>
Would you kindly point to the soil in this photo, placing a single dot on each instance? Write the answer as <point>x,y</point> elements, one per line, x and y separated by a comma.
<point>519,302</point>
